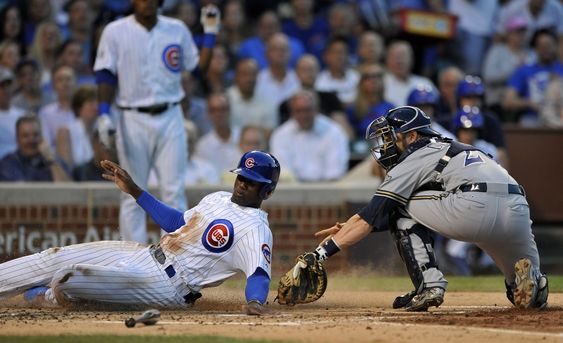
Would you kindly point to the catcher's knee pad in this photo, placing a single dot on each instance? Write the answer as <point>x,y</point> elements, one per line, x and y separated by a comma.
<point>415,246</point>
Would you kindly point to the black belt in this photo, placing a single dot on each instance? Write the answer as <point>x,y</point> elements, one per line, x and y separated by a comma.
<point>482,187</point>
<point>152,110</point>
<point>158,254</point>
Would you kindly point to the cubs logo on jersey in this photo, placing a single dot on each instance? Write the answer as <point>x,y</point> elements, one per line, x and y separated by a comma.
<point>267,253</point>
<point>172,57</point>
<point>218,236</point>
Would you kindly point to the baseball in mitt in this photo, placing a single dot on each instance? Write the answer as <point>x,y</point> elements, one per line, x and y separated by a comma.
<point>304,283</point>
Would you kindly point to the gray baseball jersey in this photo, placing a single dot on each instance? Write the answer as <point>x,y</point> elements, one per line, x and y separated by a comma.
<point>495,219</point>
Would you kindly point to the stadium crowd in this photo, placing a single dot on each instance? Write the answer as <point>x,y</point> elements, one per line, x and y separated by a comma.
<point>285,76</point>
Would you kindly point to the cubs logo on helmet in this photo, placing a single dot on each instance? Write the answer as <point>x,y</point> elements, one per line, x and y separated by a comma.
<point>249,162</point>
<point>172,57</point>
<point>218,236</point>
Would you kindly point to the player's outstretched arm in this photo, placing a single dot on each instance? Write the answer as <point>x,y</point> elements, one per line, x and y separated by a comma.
<point>113,172</point>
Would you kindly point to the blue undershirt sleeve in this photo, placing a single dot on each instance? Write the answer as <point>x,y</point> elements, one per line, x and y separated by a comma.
<point>168,218</point>
<point>257,286</point>
<point>105,76</point>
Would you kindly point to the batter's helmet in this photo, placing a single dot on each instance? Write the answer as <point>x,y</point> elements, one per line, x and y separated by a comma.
<point>261,167</point>
<point>470,86</point>
<point>468,117</point>
<point>423,95</point>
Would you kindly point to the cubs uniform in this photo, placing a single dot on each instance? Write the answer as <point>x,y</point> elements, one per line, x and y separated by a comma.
<point>219,238</point>
<point>148,65</point>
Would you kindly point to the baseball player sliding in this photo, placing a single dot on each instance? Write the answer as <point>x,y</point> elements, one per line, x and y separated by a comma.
<point>142,57</point>
<point>225,233</point>
<point>453,189</point>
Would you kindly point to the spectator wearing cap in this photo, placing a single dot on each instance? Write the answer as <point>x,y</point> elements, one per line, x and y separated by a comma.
<point>9,114</point>
<point>369,103</point>
<point>539,14</point>
<point>29,96</point>
<point>33,160</point>
<point>527,85</point>
<point>503,58</point>
<point>256,47</point>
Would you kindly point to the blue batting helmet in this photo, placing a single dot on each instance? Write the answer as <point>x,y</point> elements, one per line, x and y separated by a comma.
<point>468,117</point>
<point>470,86</point>
<point>423,95</point>
<point>261,167</point>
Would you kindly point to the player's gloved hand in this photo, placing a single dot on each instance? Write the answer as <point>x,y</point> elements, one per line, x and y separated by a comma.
<point>210,19</point>
<point>304,283</point>
<point>105,129</point>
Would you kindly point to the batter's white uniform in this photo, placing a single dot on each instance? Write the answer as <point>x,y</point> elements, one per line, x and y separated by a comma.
<point>219,239</point>
<point>148,67</point>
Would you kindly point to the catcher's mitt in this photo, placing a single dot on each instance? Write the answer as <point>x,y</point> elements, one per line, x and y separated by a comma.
<point>304,283</point>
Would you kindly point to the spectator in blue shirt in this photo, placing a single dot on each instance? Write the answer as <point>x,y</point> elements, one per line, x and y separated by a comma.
<point>527,86</point>
<point>255,47</point>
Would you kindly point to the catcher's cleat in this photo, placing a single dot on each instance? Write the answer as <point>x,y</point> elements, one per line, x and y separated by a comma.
<point>433,296</point>
<point>403,300</point>
<point>531,287</point>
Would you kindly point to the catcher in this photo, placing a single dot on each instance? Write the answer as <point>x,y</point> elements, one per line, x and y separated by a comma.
<point>433,183</point>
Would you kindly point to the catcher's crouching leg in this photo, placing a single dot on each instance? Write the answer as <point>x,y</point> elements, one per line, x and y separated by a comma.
<point>415,246</point>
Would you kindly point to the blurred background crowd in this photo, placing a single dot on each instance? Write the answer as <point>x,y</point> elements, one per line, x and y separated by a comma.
<point>299,78</point>
<point>289,77</point>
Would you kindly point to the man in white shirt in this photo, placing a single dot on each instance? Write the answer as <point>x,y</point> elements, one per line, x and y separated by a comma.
<point>248,107</point>
<point>312,147</point>
<point>8,114</point>
<point>338,77</point>
<point>398,79</point>
<point>277,82</point>
<point>220,145</point>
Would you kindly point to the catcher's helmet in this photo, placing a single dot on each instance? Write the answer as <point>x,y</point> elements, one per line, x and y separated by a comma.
<point>470,86</point>
<point>382,132</point>
<point>423,95</point>
<point>261,167</point>
<point>468,117</point>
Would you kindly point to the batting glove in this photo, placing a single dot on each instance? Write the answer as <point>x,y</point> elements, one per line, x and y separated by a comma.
<point>210,19</point>
<point>105,129</point>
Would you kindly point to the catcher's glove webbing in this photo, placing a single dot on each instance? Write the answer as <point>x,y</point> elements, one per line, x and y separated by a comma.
<point>304,283</point>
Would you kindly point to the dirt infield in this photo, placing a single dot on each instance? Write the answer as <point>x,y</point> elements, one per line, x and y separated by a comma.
<point>338,317</point>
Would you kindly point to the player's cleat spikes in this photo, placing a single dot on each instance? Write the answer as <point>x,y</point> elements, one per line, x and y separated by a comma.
<point>33,293</point>
<point>433,296</point>
<point>526,284</point>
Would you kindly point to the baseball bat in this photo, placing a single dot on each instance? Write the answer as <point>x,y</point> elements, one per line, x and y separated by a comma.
<point>149,317</point>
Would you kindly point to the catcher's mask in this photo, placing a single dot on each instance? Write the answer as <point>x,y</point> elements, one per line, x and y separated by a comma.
<point>261,167</point>
<point>381,133</point>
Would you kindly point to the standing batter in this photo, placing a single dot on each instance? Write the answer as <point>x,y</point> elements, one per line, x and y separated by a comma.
<point>225,233</point>
<point>453,189</point>
<point>143,56</point>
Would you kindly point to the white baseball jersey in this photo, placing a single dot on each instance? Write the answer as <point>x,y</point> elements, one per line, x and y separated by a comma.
<point>144,61</point>
<point>148,66</point>
<point>219,239</point>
